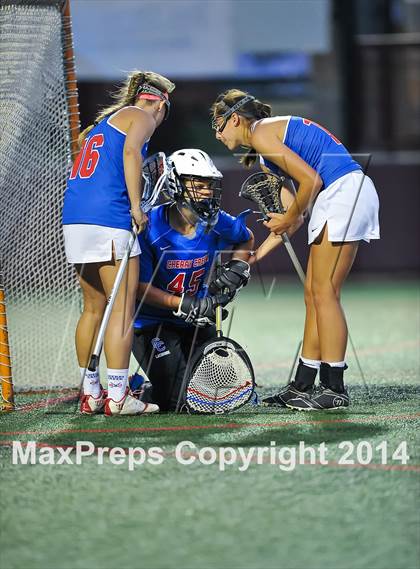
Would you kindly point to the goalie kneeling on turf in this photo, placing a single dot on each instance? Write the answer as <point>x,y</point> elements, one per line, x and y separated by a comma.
<point>176,309</point>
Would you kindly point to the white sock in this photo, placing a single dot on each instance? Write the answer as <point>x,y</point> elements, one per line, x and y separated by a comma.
<point>91,382</point>
<point>314,364</point>
<point>336,364</point>
<point>117,383</point>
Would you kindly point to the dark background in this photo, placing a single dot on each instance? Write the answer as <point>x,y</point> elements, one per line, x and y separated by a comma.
<point>374,70</point>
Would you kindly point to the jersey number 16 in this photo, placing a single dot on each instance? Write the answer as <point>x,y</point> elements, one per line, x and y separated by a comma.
<point>88,158</point>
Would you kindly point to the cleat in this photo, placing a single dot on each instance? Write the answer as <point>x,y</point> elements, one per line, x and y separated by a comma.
<point>90,405</point>
<point>129,405</point>
<point>325,400</point>
<point>289,392</point>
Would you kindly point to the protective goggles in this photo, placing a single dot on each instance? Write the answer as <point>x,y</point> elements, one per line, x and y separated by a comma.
<point>219,127</point>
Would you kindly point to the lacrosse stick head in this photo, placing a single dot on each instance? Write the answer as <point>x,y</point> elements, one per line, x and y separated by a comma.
<point>154,173</point>
<point>221,378</point>
<point>263,188</point>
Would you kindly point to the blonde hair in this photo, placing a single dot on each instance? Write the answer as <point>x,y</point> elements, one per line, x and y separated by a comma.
<point>253,109</point>
<point>127,95</point>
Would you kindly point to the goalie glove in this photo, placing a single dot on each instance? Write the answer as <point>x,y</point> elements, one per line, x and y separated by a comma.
<point>234,275</point>
<point>201,311</point>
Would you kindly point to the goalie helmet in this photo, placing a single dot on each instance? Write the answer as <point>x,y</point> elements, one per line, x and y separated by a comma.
<point>188,168</point>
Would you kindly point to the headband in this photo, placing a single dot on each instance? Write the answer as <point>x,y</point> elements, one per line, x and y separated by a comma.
<point>151,93</point>
<point>231,110</point>
<point>238,105</point>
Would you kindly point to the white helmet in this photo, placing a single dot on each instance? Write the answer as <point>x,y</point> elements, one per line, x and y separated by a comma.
<point>193,164</point>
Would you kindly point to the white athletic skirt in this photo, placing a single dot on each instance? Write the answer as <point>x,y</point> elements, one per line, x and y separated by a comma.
<point>93,243</point>
<point>350,208</point>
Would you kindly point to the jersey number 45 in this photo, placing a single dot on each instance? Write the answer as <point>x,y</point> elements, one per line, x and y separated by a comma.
<point>177,284</point>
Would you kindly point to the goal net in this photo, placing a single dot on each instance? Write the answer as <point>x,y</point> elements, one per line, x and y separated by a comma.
<point>38,125</point>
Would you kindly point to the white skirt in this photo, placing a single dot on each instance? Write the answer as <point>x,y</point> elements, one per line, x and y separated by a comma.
<point>350,208</point>
<point>93,243</point>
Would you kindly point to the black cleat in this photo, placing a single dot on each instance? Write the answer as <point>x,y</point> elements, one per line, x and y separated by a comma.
<point>325,400</point>
<point>286,394</point>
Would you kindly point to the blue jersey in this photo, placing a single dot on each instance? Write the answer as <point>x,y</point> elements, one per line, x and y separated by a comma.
<point>179,264</point>
<point>318,148</point>
<point>96,191</point>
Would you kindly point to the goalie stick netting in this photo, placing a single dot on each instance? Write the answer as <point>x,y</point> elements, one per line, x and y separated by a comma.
<point>222,378</point>
<point>36,117</point>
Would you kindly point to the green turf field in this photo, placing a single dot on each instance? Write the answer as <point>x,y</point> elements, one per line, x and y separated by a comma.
<point>170,515</point>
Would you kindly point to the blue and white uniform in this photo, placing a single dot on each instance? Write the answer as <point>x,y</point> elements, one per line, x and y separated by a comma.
<point>348,201</point>
<point>96,210</point>
<point>178,263</point>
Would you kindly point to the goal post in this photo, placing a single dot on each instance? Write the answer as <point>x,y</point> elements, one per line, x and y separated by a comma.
<point>39,126</point>
<point>6,386</point>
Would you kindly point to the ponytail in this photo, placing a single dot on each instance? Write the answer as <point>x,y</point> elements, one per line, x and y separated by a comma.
<point>262,111</point>
<point>127,95</point>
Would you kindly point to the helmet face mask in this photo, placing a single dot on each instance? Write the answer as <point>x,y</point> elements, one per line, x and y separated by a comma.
<point>202,196</point>
<point>195,183</point>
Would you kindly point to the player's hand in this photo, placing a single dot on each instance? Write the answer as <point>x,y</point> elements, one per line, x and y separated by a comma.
<point>201,311</point>
<point>234,275</point>
<point>139,218</point>
<point>279,223</point>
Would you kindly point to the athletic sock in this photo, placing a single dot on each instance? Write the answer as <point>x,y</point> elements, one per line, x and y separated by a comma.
<point>91,382</point>
<point>306,374</point>
<point>117,383</point>
<point>337,364</point>
<point>316,364</point>
<point>332,375</point>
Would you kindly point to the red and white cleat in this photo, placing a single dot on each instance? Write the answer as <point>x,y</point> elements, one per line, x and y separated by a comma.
<point>90,405</point>
<point>129,405</point>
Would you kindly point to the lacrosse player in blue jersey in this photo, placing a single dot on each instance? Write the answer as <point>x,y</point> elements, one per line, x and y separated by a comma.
<point>176,310</point>
<point>101,202</point>
<point>344,212</point>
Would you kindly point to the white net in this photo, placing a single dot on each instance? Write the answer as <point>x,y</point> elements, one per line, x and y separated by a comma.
<point>42,297</point>
<point>221,382</point>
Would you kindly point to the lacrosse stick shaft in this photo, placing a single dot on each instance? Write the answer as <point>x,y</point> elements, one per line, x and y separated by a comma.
<point>219,309</point>
<point>94,359</point>
<point>287,243</point>
<point>293,257</point>
<point>219,320</point>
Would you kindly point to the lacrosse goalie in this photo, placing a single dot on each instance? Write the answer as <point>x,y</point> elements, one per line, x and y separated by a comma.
<point>177,301</point>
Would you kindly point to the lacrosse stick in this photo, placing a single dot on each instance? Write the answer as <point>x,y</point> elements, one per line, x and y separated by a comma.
<point>155,171</point>
<point>264,190</point>
<point>221,377</point>
<point>154,175</point>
